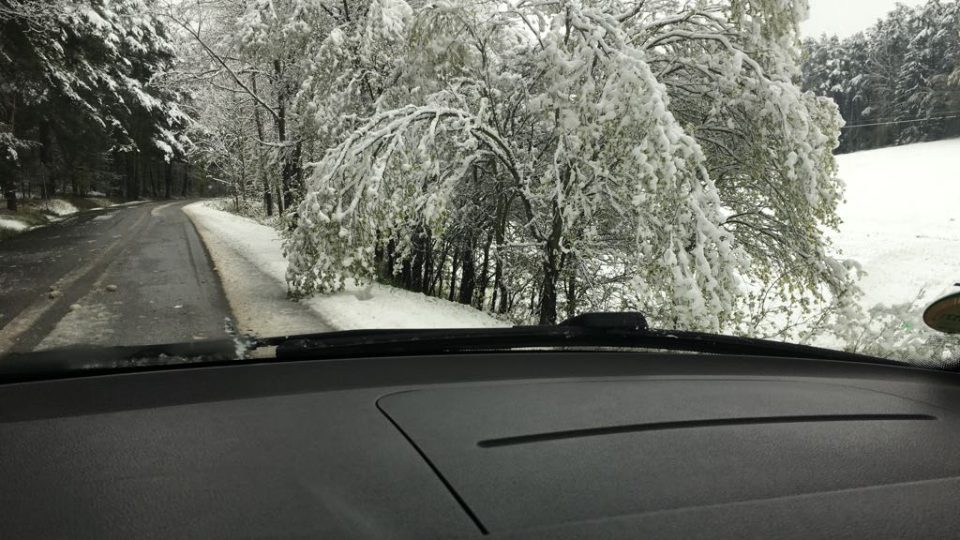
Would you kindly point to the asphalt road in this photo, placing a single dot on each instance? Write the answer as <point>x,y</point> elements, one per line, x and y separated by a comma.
<point>131,275</point>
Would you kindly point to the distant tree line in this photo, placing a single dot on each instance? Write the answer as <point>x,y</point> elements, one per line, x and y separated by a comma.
<point>896,83</point>
<point>83,106</point>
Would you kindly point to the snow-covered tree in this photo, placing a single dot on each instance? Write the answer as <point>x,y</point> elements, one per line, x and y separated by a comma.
<point>650,156</point>
<point>891,332</point>
<point>78,79</point>
<point>731,74</point>
<point>894,82</point>
<point>924,89</point>
<point>261,53</point>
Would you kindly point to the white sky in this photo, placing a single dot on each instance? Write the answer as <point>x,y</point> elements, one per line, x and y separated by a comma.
<point>847,17</point>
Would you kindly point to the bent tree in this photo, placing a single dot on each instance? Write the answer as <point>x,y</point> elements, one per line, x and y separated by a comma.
<point>584,155</point>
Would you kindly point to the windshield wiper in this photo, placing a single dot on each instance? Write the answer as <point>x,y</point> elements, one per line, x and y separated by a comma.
<point>610,331</point>
<point>592,330</point>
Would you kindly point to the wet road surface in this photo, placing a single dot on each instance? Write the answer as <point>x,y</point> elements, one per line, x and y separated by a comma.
<point>126,275</point>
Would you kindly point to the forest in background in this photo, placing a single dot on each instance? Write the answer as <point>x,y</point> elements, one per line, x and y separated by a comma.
<point>85,107</point>
<point>896,83</point>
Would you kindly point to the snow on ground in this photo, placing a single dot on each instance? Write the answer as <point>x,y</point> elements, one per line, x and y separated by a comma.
<point>247,257</point>
<point>59,207</point>
<point>13,224</point>
<point>250,262</point>
<point>130,203</point>
<point>902,221</point>
<point>36,213</point>
<point>390,307</point>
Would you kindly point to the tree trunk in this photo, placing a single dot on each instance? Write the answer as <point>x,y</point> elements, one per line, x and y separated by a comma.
<point>414,279</point>
<point>291,175</point>
<point>499,287</point>
<point>552,266</point>
<point>10,194</point>
<point>571,292</point>
<point>289,172</point>
<point>496,291</point>
<point>468,281</point>
<point>390,260</point>
<point>258,121</point>
<point>7,181</point>
<point>140,175</point>
<point>406,272</point>
<point>47,183</point>
<point>428,264</point>
<point>168,180</point>
<point>74,181</point>
<point>286,179</point>
<point>267,198</point>
<point>152,171</point>
<point>436,281</point>
<point>453,276</point>
<point>186,180</point>
<point>534,306</point>
<point>484,280</point>
<point>548,293</point>
<point>130,183</point>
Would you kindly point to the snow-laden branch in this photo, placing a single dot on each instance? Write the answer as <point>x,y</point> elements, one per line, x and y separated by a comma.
<point>675,36</point>
<point>220,60</point>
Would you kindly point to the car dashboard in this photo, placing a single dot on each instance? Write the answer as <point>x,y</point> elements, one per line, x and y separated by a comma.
<point>534,444</point>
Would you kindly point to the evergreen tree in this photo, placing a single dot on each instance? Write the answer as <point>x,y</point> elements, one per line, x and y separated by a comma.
<point>895,85</point>
<point>79,85</point>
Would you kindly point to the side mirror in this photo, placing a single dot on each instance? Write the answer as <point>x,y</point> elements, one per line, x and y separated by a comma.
<point>944,314</point>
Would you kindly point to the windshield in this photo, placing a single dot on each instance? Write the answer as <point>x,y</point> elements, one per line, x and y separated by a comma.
<point>180,171</point>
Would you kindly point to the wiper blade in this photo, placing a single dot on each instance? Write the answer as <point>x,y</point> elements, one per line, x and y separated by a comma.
<point>618,331</point>
<point>595,330</point>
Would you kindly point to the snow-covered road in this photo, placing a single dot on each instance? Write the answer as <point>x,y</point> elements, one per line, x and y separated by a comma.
<point>131,275</point>
<point>141,274</point>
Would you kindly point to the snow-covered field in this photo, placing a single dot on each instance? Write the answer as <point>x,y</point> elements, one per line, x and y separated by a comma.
<point>250,262</point>
<point>902,221</point>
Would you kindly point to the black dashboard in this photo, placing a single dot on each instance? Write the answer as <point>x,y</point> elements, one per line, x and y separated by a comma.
<point>506,445</point>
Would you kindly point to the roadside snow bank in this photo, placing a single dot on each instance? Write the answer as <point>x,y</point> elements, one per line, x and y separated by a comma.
<point>242,253</point>
<point>258,244</point>
<point>381,306</point>
<point>33,213</point>
<point>59,207</point>
<point>13,224</point>
<point>901,220</point>
<point>249,258</point>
